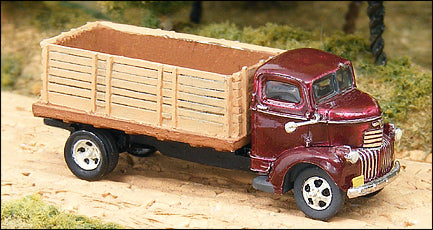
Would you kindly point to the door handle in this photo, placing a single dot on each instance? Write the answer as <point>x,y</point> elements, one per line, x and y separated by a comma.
<point>292,126</point>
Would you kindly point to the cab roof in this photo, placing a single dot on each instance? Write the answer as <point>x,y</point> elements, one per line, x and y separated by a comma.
<point>305,64</point>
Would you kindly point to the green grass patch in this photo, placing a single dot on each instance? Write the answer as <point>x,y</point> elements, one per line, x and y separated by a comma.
<point>11,68</point>
<point>31,212</point>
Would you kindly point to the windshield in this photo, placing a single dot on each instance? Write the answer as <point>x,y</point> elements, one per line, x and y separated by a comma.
<point>333,83</point>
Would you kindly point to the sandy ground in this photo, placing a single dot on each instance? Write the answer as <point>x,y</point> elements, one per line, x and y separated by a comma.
<point>163,192</point>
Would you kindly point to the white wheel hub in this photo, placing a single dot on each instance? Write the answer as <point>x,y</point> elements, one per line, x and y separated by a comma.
<point>86,154</point>
<point>317,193</point>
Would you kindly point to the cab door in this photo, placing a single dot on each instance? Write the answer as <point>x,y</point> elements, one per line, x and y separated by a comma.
<point>278,100</point>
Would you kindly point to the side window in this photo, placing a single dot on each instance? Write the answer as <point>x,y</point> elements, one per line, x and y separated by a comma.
<point>282,91</point>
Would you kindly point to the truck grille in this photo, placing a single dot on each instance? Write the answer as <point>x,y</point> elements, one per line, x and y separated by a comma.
<point>376,162</point>
<point>373,138</point>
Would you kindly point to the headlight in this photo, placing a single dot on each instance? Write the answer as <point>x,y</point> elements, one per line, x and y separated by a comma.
<point>348,153</point>
<point>352,156</point>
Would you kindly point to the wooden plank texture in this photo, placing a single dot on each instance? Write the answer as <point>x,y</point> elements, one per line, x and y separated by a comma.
<point>69,101</point>
<point>134,70</point>
<point>65,57</point>
<point>70,74</point>
<point>71,66</point>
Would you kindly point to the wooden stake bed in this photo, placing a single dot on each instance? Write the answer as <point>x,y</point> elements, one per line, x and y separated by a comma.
<point>169,85</point>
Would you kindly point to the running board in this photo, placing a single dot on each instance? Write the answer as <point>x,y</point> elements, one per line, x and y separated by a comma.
<point>261,184</point>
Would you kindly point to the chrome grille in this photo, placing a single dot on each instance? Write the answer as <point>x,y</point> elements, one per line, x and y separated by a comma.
<point>373,138</point>
<point>376,162</point>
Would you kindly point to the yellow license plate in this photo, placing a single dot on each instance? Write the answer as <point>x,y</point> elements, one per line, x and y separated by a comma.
<point>358,181</point>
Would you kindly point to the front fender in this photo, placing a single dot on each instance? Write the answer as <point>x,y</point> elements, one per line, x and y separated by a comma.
<point>325,158</point>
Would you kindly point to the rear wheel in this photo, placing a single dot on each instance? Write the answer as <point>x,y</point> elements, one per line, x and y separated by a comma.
<point>90,154</point>
<point>317,195</point>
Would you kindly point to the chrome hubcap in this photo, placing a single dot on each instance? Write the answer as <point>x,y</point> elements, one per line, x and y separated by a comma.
<point>317,193</point>
<point>86,154</point>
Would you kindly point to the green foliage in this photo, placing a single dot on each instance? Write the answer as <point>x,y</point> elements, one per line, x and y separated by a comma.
<point>148,12</point>
<point>278,36</point>
<point>348,46</point>
<point>32,212</point>
<point>224,30</point>
<point>49,15</point>
<point>10,70</point>
<point>271,35</point>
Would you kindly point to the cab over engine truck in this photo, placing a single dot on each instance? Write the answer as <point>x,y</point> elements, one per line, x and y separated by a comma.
<point>295,117</point>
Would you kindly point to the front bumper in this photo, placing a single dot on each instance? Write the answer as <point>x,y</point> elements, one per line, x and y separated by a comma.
<point>375,185</point>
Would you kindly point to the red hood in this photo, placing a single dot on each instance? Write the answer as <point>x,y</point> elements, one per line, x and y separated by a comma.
<point>351,105</point>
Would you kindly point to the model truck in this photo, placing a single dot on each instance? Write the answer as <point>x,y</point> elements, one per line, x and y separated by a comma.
<point>295,117</point>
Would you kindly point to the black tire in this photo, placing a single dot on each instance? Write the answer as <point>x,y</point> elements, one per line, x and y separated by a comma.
<point>317,195</point>
<point>89,154</point>
<point>141,150</point>
<point>112,148</point>
<point>372,194</point>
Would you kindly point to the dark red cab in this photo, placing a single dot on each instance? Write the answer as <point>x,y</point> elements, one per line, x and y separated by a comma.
<point>314,131</point>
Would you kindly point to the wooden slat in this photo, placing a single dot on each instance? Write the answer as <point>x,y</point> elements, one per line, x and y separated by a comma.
<point>134,94</point>
<point>69,82</point>
<point>228,108</point>
<point>45,66</point>
<point>236,118</point>
<point>108,86</point>
<point>167,84</point>
<point>70,58</point>
<point>149,105</point>
<point>134,78</point>
<point>200,115</point>
<point>212,101</point>
<point>73,51</point>
<point>69,90</point>
<point>245,102</point>
<point>135,62</point>
<point>100,87</point>
<point>133,114</point>
<point>166,101</point>
<point>134,70</point>
<point>93,83</point>
<point>100,96</point>
<point>200,127</point>
<point>102,64</point>
<point>69,101</point>
<point>70,66</point>
<point>159,95</point>
<point>201,91</point>
<point>70,74</point>
<point>100,79</point>
<point>201,107</point>
<point>167,76</point>
<point>166,109</point>
<point>101,72</point>
<point>174,99</point>
<point>166,93</point>
<point>202,83</point>
<point>201,74</point>
<point>133,86</point>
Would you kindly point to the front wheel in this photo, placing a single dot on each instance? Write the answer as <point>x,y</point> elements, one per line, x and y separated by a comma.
<point>90,154</point>
<point>317,195</point>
